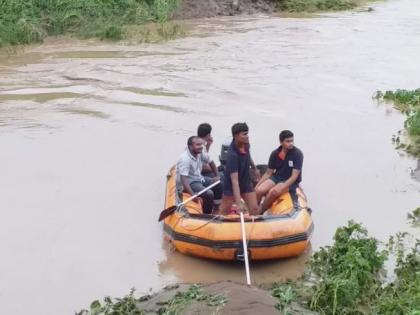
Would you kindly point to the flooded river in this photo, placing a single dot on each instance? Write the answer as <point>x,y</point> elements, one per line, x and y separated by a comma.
<point>88,131</point>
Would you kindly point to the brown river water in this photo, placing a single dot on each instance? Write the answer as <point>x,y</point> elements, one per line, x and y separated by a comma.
<point>89,129</point>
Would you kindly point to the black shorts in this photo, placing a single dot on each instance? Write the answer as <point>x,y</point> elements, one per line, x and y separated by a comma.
<point>244,189</point>
<point>277,180</point>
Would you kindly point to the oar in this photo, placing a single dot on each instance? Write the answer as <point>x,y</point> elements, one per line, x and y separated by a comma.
<point>168,211</point>
<point>248,278</point>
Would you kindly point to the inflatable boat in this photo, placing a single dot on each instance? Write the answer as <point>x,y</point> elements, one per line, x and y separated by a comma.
<point>282,231</point>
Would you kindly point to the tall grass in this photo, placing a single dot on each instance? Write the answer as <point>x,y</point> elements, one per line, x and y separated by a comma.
<point>316,5</point>
<point>28,21</point>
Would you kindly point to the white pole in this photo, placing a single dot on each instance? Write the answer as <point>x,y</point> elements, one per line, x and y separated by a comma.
<point>248,278</point>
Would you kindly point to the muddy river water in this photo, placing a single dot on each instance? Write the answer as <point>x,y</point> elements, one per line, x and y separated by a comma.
<point>88,131</point>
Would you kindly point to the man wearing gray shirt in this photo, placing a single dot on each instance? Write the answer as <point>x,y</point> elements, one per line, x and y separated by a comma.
<point>189,177</point>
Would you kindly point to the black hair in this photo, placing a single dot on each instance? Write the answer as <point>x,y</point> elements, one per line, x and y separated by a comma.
<point>285,134</point>
<point>191,140</point>
<point>239,127</point>
<point>203,130</point>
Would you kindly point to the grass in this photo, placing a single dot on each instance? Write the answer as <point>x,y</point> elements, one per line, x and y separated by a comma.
<point>408,102</point>
<point>348,277</point>
<point>317,5</point>
<point>129,305</point>
<point>29,21</point>
<point>194,293</point>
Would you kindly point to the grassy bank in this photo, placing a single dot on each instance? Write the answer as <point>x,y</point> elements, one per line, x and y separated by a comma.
<point>130,305</point>
<point>28,21</point>
<point>348,277</point>
<point>317,5</point>
<point>408,102</point>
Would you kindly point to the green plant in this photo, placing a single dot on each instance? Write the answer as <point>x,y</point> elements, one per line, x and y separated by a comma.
<point>414,217</point>
<point>27,21</point>
<point>402,295</point>
<point>194,293</point>
<point>127,306</point>
<point>348,271</point>
<point>285,294</point>
<point>408,102</point>
<point>316,5</point>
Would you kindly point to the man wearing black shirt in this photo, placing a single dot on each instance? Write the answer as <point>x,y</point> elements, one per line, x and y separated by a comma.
<point>284,171</point>
<point>239,171</point>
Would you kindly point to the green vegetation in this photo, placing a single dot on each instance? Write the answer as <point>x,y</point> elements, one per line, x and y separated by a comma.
<point>129,305</point>
<point>183,299</point>
<point>408,102</point>
<point>347,277</point>
<point>317,5</point>
<point>28,21</point>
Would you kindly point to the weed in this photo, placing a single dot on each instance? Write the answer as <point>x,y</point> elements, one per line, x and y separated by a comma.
<point>183,299</point>
<point>414,217</point>
<point>316,5</point>
<point>402,296</point>
<point>346,278</point>
<point>127,306</point>
<point>408,102</point>
<point>28,21</point>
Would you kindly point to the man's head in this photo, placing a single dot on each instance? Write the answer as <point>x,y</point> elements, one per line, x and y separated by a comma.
<point>204,132</point>
<point>286,139</point>
<point>195,145</point>
<point>240,133</point>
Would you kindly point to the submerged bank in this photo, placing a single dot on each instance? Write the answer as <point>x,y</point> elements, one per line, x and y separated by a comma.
<point>25,22</point>
<point>408,103</point>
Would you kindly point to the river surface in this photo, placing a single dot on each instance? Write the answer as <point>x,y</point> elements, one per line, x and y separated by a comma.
<point>89,129</point>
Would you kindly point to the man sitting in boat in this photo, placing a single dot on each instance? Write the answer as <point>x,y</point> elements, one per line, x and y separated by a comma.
<point>238,178</point>
<point>189,177</point>
<point>204,132</point>
<point>284,171</point>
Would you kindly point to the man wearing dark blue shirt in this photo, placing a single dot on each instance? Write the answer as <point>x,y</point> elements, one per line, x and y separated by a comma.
<point>284,171</point>
<point>239,172</point>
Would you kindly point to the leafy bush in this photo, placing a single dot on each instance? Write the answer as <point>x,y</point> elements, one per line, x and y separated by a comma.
<point>348,271</point>
<point>345,278</point>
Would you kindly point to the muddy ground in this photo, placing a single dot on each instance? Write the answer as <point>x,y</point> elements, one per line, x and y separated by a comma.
<point>241,299</point>
<point>210,8</point>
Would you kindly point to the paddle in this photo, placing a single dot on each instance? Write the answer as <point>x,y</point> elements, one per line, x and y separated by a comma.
<point>168,211</point>
<point>248,278</point>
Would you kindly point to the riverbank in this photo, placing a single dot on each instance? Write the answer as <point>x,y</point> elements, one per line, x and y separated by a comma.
<point>348,276</point>
<point>25,22</point>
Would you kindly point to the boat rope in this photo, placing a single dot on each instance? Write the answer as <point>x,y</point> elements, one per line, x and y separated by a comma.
<point>216,217</point>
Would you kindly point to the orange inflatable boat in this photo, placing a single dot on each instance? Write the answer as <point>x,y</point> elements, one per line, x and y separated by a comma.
<point>283,231</point>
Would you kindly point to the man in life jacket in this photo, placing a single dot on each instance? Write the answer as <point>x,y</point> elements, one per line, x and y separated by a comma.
<point>284,171</point>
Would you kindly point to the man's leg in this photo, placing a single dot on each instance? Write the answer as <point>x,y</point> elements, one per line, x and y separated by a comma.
<point>226,205</point>
<point>264,188</point>
<point>250,199</point>
<point>207,196</point>
<point>273,194</point>
<point>217,191</point>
